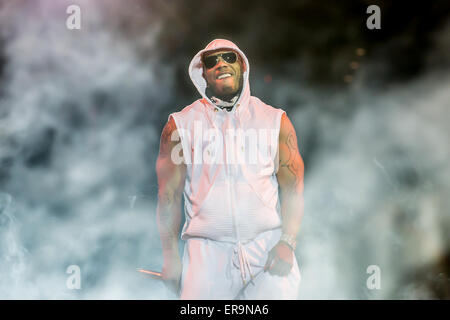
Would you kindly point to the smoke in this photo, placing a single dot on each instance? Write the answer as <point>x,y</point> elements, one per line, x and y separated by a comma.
<point>375,194</point>
<point>80,119</point>
<point>376,177</point>
<point>78,144</point>
<point>12,254</point>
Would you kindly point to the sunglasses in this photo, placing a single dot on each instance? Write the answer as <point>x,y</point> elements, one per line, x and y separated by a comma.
<point>211,61</point>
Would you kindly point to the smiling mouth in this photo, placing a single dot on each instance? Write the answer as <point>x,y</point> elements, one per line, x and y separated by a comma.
<point>224,75</point>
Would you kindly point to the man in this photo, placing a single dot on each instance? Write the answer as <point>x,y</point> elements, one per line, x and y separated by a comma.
<point>240,241</point>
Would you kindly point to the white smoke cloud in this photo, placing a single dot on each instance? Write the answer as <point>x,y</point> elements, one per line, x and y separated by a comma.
<point>77,115</point>
<point>375,195</point>
<point>75,154</point>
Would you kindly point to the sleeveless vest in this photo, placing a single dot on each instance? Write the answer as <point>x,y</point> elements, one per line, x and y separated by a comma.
<point>231,189</point>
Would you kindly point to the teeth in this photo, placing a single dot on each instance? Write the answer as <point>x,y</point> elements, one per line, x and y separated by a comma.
<point>225,75</point>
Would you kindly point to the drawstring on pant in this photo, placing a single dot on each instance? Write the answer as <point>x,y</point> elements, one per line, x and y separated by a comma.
<point>244,264</point>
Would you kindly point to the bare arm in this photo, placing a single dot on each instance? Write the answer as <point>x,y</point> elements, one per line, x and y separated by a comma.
<point>171,178</point>
<point>290,180</point>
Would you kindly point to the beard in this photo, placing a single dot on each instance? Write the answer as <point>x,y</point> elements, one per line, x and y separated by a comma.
<point>227,93</point>
<point>226,96</point>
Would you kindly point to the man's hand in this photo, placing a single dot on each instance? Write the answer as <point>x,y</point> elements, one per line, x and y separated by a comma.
<point>280,260</point>
<point>171,273</point>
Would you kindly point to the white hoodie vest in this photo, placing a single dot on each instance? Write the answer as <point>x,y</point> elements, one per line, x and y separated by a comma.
<point>231,190</point>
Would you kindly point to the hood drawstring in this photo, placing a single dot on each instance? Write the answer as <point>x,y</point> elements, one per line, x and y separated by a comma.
<point>227,105</point>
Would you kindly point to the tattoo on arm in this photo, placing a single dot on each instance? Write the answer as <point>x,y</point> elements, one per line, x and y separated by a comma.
<point>290,178</point>
<point>290,169</point>
<point>291,160</point>
<point>169,197</point>
<point>166,143</point>
<point>171,178</point>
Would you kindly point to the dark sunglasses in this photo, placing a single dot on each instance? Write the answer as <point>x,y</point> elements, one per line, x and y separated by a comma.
<point>212,60</point>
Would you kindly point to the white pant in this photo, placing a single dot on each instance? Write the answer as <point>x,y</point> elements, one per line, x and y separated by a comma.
<point>211,270</point>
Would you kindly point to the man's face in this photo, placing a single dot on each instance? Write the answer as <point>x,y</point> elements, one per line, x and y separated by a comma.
<point>224,78</point>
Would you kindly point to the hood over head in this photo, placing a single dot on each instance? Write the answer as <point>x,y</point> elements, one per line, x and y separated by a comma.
<point>196,71</point>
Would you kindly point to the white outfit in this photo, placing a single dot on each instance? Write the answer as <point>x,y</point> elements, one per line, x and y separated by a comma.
<point>231,192</point>
<point>211,271</point>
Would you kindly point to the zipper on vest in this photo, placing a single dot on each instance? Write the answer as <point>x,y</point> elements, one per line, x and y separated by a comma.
<point>244,264</point>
